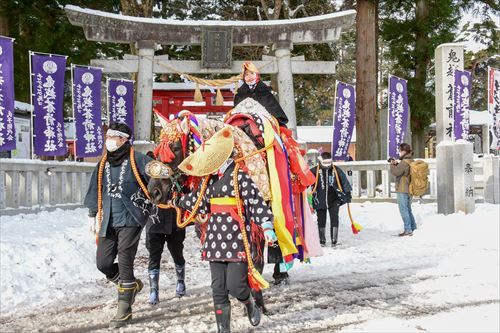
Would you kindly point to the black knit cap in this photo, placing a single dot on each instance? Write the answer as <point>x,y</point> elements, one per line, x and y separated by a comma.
<point>122,127</point>
<point>326,155</point>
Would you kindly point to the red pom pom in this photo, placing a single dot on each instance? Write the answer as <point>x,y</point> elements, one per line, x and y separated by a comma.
<point>226,134</point>
<point>189,167</point>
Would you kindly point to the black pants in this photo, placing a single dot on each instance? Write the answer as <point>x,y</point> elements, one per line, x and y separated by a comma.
<point>229,278</point>
<point>334,218</point>
<point>122,241</point>
<point>175,244</point>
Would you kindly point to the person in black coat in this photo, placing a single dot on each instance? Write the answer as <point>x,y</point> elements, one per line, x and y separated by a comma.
<point>119,231</point>
<point>254,88</point>
<point>157,234</point>
<point>328,196</point>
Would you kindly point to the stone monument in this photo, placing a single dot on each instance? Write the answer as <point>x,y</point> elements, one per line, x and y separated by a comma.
<point>454,160</point>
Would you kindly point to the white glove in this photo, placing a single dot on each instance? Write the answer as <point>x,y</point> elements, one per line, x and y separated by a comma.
<point>92,220</point>
<point>269,234</point>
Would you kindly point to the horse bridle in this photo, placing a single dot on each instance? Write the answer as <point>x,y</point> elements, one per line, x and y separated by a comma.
<point>158,170</point>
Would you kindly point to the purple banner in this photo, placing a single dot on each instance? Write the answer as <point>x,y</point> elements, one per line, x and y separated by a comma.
<point>48,93</point>
<point>87,111</point>
<point>7,128</point>
<point>344,118</point>
<point>397,109</point>
<point>494,105</point>
<point>461,95</point>
<point>121,102</point>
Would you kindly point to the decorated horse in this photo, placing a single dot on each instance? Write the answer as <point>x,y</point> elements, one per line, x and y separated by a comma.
<point>264,150</point>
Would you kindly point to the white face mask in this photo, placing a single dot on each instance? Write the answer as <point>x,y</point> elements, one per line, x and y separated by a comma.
<point>111,145</point>
<point>326,163</point>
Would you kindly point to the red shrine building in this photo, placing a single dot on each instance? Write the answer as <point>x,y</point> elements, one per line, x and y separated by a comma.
<point>170,98</point>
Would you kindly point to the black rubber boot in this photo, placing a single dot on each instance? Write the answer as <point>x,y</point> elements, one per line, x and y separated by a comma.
<point>278,276</point>
<point>334,234</point>
<point>322,238</point>
<point>126,295</point>
<point>253,311</point>
<point>180,288</point>
<point>223,317</point>
<point>114,279</point>
<point>154,285</point>
<point>259,300</point>
<point>138,287</point>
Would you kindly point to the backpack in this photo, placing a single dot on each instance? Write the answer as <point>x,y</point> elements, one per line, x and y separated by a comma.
<point>418,177</point>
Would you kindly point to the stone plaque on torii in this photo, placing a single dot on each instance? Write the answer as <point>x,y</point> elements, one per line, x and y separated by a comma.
<point>216,47</point>
<point>146,32</point>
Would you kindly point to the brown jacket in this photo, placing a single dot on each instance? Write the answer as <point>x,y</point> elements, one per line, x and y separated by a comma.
<point>402,174</point>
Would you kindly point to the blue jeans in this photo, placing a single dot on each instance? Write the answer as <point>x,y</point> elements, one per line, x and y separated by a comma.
<point>404,203</point>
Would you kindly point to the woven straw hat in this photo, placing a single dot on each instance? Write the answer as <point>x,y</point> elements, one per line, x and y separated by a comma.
<point>211,155</point>
<point>247,65</point>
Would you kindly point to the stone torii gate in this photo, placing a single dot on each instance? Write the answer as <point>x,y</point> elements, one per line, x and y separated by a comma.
<point>217,39</point>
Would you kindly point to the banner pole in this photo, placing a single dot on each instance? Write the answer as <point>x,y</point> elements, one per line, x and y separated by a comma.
<point>32,132</point>
<point>50,54</point>
<point>388,114</point>
<point>73,109</point>
<point>488,91</point>
<point>85,66</point>
<point>333,118</point>
<point>107,100</point>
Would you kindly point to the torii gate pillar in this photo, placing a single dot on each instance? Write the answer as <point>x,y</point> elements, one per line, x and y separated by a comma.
<point>144,101</point>
<point>285,83</point>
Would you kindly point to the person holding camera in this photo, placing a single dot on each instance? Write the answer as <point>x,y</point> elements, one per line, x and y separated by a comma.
<point>329,196</point>
<point>401,170</point>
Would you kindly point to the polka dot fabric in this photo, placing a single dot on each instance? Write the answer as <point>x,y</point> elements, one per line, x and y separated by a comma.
<point>223,241</point>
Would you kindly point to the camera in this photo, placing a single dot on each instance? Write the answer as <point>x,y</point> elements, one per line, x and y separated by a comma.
<point>390,159</point>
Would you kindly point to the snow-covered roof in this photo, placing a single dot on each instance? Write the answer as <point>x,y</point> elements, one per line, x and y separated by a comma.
<point>480,118</point>
<point>69,130</point>
<point>211,23</point>
<point>22,106</point>
<point>318,134</point>
<point>189,103</point>
<point>185,86</point>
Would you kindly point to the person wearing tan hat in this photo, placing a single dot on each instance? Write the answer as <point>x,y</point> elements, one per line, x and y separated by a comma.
<point>225,246</point>
<point>254,88</point>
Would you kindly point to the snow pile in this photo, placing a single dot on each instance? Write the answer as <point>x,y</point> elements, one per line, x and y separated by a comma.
<point>42,255</point>
<point>444,278</point>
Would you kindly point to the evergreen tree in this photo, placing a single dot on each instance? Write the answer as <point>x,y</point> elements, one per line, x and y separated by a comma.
<point>42,26</point>
<point>412,30</point>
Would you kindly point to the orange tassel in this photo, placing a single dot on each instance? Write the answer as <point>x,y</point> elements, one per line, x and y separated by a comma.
<point>253,283</point>
<point>198,97</point>
<point>163,150</point>
<point>355,227</point>
<point>219,100</point>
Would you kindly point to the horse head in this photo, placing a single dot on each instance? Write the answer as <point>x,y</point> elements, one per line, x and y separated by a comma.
<point>170,152</point>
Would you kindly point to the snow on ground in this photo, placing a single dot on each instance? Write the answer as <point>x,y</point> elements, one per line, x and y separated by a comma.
<point>444,278</point>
